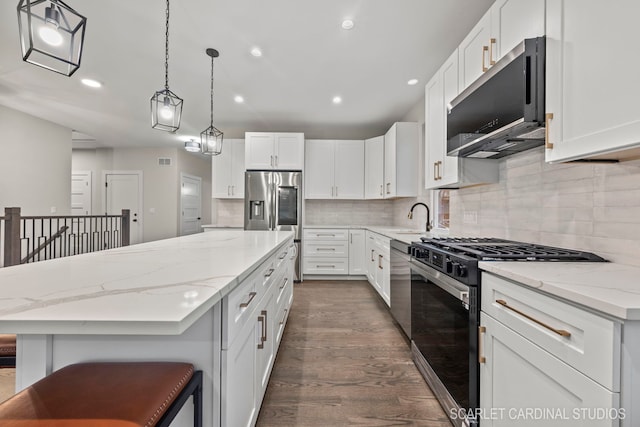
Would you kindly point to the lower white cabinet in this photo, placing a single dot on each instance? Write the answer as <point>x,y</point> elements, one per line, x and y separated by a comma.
<point>538,353</point>
<point>378,261</point>
<point>356,252</point>
<point>254,315</point>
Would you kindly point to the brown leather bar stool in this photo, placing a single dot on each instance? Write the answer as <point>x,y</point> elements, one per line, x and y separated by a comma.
<point>105,394</point>
<point>7,351</point>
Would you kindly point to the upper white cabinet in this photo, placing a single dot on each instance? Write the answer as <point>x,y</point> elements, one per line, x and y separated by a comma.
<point>592,88</point>
<point>442,171</point>
<point>401,160</point>
<point>278,151</point>
<point>374,168</point>
<point>505,24</point>
<point>227,171</point>
<point>334,169</point>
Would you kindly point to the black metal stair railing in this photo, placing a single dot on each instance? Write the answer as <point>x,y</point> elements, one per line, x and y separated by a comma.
<point>35,238</point>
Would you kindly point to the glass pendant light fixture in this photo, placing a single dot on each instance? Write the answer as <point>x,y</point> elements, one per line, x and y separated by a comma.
<point>211,137</point>
<point>51,35</point>
<point>192,146</point>
<point>166,106</point>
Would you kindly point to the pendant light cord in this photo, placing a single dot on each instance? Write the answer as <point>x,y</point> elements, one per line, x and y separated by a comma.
<point>212,91</point>
<point>166,51</point>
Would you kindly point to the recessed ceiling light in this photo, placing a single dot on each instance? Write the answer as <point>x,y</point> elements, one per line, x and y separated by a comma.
<point>239,99</point>
<point>91,83</point>
<point>347,24</point>
<point>337,100</point>
<point>256,52</point>
<point>412,82</point>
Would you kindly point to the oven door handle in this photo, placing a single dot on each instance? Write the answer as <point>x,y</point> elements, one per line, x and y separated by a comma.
<point>447,284</point>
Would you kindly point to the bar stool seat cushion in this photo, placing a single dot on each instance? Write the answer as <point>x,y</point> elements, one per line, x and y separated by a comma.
<point>102,394</point>
<point>7,345</point>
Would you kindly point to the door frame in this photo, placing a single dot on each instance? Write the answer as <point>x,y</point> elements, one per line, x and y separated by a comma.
<point>180,208</point>
<point>89,174</point>
<point>140,196</point>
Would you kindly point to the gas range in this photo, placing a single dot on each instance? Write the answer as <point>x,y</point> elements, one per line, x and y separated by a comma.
<point>458,257</point>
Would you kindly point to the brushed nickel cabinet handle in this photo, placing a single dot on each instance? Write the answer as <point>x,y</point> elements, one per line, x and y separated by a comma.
<point>286,280</point>
<point>481,331</point>
<point>264,335</point>
<point>435,173</point>
<point>388,188</point>
<point>271,162</point>
<point>372,250</point>
<point>381,192</point>
<point>269,272</point>
<point>262,322</point>
<point>560,332</point>
<point>491,43</point>
<point>380,262</point>
<point>547,118</point>
<point>284,317</point>
<point>252,295</point>
<point>283,256</point>
<point>325,249</point>
<point>485,49</point>
<point>325,266</point>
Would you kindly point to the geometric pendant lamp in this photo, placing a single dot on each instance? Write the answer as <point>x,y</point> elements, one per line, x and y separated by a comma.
<point>166,106</point>
<point>211,138</point>
<point>51,35</point>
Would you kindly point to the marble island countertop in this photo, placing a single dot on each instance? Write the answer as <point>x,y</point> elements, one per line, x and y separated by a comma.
<point>159,287</point>
<point>606,287</point>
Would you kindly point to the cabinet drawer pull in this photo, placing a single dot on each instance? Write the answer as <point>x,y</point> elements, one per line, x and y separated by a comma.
<point>381,192</point>
<point>388,190</point>
<point>271,162</point>
<point>325,235</point>
<point>284,317</point>
<point>491,43</point>
<point>372,250</point>
<point>485,49</point>
<point>286,280</point>
<point>435,174</point>
<point>481,331</point>
<point>561,332</point>
<point>263,328</point>
<point>252,295</point>
<point>269,272</point>
<point>547,118</point>
<point>380,262</point>
<point>325,266</point>
<point>325,249</point>
<point>283,256</point>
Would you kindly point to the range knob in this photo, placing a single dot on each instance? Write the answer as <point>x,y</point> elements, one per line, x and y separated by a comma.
<point>448,266</point>
<point>460,270</point>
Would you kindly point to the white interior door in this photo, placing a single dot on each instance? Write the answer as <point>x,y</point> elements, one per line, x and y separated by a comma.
<point>124,191</point>
<point>190,204</point>
<point>81,193</point>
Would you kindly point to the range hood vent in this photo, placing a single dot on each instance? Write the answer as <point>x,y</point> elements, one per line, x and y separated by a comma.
<point>502,112</point>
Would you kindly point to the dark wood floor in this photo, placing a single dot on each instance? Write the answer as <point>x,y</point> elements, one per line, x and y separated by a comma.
<point>343,361</point>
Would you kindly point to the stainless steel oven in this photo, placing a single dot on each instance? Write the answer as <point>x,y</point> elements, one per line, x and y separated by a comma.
<point>443,328</point>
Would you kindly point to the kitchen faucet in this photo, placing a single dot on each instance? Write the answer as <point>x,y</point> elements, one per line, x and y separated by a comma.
<point>410,216</point>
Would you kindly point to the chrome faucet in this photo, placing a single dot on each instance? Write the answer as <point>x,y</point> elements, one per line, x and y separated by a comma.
<point>410,216</point>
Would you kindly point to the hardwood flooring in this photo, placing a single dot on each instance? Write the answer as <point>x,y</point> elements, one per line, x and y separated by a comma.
<point>343,361</point>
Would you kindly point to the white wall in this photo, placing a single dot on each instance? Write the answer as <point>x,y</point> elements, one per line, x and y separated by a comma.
<point>35,164</point>
<point>161,200</point>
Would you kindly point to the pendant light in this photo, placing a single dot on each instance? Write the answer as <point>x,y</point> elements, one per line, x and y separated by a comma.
<point>166,106</point>
<point>51,35</point>
<point>211,137</point>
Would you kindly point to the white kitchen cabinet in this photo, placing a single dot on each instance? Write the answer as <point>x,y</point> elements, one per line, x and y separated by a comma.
<point>357,254</point>
<point>502,27</point>
<point>326,251</point>
<point>334,169</point>
<point>227,170</point>
<point>374,168</point>
<point>401,160</point>
<point>591,80</point>
<point>442,171</point>
<point>378,263</point>
<point>253,317</point>
<point>537,351</point>
<point>274,151</point>
<point>518,374</point>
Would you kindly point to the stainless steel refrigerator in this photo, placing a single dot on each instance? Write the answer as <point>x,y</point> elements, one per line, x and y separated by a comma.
<point>273,201</point>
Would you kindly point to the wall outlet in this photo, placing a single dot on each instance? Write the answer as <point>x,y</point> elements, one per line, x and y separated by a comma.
<point>470,217</point>
<point>53,209</point>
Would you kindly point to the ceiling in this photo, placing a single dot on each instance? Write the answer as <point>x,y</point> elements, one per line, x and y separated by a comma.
<point>307,60</point>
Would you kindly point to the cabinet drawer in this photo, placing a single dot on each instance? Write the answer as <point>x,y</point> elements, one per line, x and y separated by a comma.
<point>326,266</point>
<point>237,308</point>
<point>325,234</point>
<point>583,340</point>
<point>326,249</point>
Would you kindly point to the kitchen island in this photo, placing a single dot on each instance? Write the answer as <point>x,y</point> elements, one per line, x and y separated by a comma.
<point>160,300</point>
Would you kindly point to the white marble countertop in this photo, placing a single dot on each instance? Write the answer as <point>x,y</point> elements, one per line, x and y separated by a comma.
<point>159,287</point>
<point>607,287</point>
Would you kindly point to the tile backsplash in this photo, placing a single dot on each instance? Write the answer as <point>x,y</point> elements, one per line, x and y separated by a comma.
<point>349,212</point>
<point>587,206</point>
